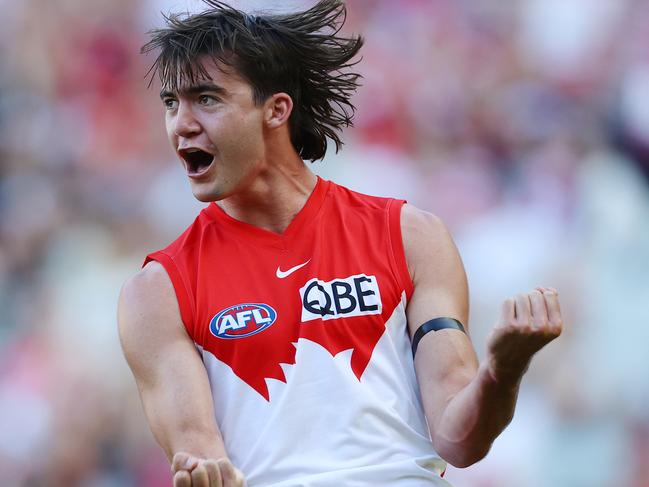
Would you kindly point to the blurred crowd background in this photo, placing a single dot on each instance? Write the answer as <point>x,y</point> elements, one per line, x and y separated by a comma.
<point>524,124</point>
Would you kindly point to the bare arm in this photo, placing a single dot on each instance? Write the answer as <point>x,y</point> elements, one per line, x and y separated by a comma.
<point>169,373</point>
<point>467,404</point>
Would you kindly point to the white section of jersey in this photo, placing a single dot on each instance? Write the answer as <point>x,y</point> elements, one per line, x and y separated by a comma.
<point>324,427</point>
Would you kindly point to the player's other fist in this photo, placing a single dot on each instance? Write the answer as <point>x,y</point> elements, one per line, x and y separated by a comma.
<point>191,471</point>
<point>527,323</point>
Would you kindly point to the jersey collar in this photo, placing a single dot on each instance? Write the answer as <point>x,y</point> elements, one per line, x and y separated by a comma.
<point>302,221</point>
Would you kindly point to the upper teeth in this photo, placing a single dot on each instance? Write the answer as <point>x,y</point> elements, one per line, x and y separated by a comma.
<point>193,149</point>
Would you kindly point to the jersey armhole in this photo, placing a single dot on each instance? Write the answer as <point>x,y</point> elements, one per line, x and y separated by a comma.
<point>398,254</point>
<point>182,293</point>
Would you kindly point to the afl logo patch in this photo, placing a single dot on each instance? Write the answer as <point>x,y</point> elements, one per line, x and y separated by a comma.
<point>242,320</point>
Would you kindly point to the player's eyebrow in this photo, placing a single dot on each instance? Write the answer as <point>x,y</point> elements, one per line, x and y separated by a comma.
<point>194,89</point>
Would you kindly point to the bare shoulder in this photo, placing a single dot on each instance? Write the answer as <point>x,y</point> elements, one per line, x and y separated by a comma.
<point>435,266</point>
<point>411,215</point>
<point>148,312</point>
<point>149,292</point>
<point>425,237</point>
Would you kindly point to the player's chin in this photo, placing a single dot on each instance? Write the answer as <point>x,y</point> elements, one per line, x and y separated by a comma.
<point>205,191</point>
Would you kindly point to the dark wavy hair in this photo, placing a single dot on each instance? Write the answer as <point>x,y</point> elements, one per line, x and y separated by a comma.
<point>301,54</point>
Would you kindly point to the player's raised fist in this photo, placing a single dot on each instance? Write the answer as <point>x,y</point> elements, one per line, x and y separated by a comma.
<point>527,323</point>
<point>191,471</point>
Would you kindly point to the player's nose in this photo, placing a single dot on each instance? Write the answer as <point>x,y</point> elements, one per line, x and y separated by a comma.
<point>185,124</point>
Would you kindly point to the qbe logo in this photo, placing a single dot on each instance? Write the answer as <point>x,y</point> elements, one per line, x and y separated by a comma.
<point>353,296</point>
<point>242,320</point>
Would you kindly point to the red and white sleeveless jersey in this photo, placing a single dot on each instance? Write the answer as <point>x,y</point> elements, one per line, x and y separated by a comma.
<point>305,342</point>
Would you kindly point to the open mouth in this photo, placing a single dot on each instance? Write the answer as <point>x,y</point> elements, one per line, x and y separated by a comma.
<point>197,160</point>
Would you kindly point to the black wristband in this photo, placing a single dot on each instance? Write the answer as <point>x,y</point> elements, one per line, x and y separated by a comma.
<point>435,324</point>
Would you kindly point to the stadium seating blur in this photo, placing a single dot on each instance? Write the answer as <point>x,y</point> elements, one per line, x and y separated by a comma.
<point>524,124</point>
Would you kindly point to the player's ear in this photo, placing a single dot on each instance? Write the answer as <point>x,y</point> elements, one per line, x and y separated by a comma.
<point>278,109</point>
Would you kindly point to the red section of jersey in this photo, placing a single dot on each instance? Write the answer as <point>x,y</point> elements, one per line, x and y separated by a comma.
<point>240,288</point>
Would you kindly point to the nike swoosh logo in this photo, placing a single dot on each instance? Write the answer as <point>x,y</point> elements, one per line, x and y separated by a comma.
<point>282,274</point>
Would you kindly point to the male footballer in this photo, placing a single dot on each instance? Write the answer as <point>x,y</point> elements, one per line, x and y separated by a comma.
<point>299,333</point>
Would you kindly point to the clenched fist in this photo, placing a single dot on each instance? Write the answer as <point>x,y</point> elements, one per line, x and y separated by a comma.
<point>527,323</point>
<point>191,471</point>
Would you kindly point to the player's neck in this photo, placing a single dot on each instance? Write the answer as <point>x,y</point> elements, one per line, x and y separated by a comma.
<point>275,196</point>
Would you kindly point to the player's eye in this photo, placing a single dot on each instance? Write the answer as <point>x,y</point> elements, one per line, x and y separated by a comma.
<point>206,100</point>
<point>170,103</point>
